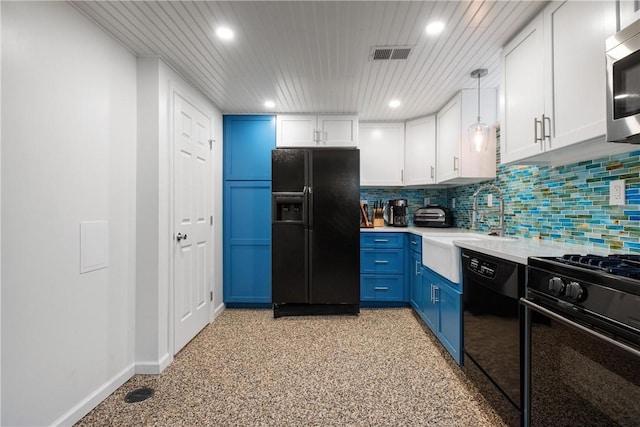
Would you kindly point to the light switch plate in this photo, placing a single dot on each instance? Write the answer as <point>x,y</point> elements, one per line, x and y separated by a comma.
<point>616,192</point>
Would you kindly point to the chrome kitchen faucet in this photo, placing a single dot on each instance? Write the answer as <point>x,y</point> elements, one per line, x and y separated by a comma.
<point>478,214</point>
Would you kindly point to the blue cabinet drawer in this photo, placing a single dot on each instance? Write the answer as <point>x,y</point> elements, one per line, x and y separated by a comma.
<point>381,288</point>
<point>382,261</point>
<point>381,240</point>
<point>415,243</point>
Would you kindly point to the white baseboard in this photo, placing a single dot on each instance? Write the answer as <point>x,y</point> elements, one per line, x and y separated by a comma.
<point>153,367</point>
<point>218,311</point>
<point>85,406</point>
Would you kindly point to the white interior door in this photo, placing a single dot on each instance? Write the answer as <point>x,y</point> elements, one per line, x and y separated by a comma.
<point>192,210</point>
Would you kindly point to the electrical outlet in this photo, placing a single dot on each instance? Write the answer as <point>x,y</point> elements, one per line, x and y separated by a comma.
<point>453,203</point>
<point>616,192</point>
<point>489,200</point>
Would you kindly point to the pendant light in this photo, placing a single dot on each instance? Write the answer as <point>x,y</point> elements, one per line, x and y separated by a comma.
<point>479,132</point>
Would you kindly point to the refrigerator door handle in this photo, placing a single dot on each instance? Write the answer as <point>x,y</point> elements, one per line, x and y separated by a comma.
<point>310,207</point>
<point>309,263</point>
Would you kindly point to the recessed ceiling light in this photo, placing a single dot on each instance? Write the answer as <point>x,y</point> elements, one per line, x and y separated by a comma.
<point>225,33</point>
<point>434,28</point>
<point>269,104</point>
<point>394,103</point>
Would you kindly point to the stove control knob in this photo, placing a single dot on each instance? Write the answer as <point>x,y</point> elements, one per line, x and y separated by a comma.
<point>574,291</point>
<point>556,286</point>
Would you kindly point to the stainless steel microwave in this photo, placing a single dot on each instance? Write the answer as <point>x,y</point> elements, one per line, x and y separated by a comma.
<point>623,85</point>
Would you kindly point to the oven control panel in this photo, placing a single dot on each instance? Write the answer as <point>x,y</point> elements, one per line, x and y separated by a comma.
<point>482,267</point>
<point>569,289</point>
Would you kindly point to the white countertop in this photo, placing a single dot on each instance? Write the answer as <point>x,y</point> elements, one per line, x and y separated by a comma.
<point>517,250</point>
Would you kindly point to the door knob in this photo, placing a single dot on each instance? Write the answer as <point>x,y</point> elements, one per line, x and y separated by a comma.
<point>181,236</point>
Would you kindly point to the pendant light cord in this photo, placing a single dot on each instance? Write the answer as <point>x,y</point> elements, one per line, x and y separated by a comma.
<point>478,97</point>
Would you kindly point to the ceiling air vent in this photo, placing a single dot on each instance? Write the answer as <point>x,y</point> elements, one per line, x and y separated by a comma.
<point>385,53</point>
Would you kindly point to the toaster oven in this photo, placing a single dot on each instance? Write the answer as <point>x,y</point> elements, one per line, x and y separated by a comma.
<point>433,216</point>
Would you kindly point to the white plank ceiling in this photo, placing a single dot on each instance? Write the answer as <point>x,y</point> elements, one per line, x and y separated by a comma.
<point>313,56</point>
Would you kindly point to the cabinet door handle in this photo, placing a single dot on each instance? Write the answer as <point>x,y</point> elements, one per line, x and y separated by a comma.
<point>417,269</point>
<point>381,288</point>
<point>455,163</point>
<point>381,261</point>
<point>435,294</point>
<point>432,293</point>
<point>413,242</point>
<point>381,240</point>
<point>432,172</point>
<point>537,138</point>
<point>546,119</point>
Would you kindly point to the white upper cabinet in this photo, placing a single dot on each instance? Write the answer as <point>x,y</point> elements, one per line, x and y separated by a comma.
<point>420,151</point>
<point>298,130</point>
<point>338,131</point>
<point>456,162</point>
<point>553,85</point>
<point>522,94</point>
<point>629,12</point>
<point>381,154</point>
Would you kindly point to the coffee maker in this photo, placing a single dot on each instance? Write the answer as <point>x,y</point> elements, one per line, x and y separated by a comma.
<point>397,211</point>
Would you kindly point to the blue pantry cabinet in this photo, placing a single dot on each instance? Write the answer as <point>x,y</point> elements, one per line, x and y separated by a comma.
<point>248,141</point>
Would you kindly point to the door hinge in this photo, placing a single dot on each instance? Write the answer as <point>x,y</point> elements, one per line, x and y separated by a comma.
<point>211,220</point>
<point>211,141</point>
<point>211,296</point>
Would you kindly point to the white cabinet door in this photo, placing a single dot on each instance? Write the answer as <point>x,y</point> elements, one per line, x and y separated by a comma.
<point>420,151</point>
<point>296,130</point>
<point>448,142</point>
<point>381,154</point>
<point>574,65</point>
<point>522,102</point>
<point>299,130</point>
<point>338,131</point>
<point>629,12</point>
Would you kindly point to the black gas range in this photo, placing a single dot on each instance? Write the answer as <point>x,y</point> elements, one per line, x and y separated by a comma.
<point>602,289</point>
<point>582,340</point>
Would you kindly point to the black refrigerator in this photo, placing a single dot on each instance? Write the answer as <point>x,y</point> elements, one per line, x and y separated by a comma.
<point>315,231</point>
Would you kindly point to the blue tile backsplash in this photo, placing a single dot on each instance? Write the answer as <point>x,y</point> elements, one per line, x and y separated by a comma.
<point>568,203</point>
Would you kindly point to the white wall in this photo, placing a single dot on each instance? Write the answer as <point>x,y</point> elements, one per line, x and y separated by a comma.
<point>68,155</point>
<point>154,309</point>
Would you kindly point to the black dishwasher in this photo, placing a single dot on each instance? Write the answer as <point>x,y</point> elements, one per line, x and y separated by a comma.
<point>493,325</point>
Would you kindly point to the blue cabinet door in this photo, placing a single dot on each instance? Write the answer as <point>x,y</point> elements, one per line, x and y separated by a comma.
<point>415,281</point>
<point>248,141</point>
<point>429,307</point>
<point>247,242</point>
<point>450,320</point>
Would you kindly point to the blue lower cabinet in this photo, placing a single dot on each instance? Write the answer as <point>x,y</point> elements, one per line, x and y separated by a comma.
<point>441,310</point>
<point>247,242</point>
<point>381,288</point>
<point>383,260</point>
<point>450,320</point>
<point>415,280</point>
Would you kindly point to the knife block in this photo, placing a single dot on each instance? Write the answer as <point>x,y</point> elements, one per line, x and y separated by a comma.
<point>378,220</point>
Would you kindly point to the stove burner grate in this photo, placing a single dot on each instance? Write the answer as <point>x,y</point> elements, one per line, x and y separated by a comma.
<point>627,265</point>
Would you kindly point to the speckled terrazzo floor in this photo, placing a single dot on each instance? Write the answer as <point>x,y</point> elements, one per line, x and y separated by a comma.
<point>247,369</point>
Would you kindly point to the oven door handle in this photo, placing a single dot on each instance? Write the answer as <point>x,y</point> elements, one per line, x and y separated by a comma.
<point>584,329</point>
